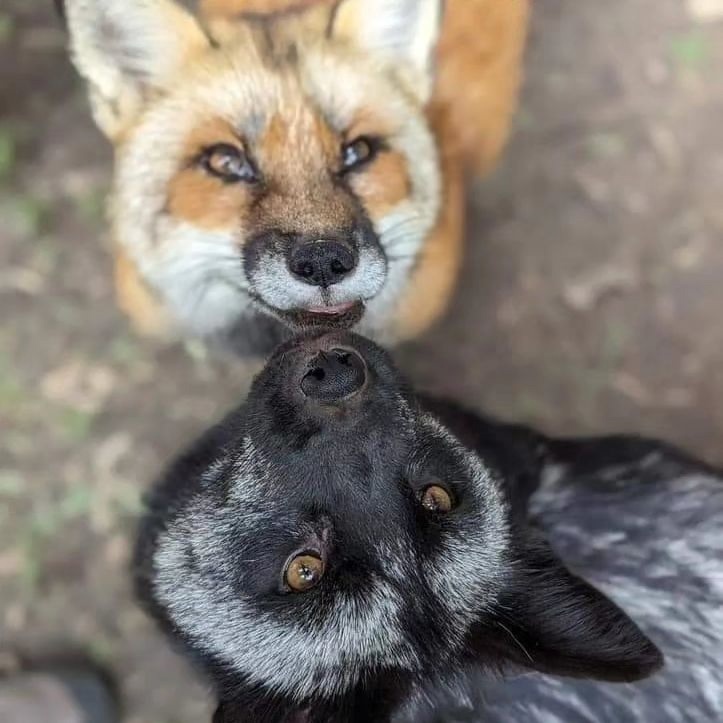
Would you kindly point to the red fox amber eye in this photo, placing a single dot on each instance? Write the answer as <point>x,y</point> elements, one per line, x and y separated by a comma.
<point>436,499</point>
<point>228,163</point>
<point>304,572</point>
<point>357,152</point>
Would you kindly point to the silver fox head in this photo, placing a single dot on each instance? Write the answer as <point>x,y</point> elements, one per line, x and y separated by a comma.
<point>331,549</point>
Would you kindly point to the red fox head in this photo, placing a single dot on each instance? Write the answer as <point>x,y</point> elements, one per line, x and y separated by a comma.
<point>278,162</point>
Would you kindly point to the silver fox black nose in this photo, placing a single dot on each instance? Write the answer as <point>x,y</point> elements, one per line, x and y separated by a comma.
<point>334,375</point>
<point>322,263</point>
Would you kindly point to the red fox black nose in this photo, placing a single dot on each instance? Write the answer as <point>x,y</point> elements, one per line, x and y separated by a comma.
<point>322,263</point>
<point>334,375</point>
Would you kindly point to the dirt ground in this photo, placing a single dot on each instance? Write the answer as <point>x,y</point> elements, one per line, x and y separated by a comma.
<point>591,301</point>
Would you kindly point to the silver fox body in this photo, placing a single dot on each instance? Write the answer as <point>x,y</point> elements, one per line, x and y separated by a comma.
<point>647,533</point>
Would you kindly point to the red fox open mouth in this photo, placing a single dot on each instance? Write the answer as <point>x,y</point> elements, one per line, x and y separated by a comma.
<point>339,316</point>
<point>335,310</point>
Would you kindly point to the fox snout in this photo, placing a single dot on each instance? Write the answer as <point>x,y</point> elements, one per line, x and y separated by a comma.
<point>334,376</point>
<point>318,277</point>
<point>328,368</point>
<point>331,382</point>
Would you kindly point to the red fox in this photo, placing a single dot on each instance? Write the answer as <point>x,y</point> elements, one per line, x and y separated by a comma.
<point>301,161</point>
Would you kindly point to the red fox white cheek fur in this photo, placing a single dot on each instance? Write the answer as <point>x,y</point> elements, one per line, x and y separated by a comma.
<point>265,126</point>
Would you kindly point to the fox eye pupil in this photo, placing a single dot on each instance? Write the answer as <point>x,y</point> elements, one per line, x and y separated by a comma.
<point>356,153</point>
<point>304,572</point>
<point>229,164</point>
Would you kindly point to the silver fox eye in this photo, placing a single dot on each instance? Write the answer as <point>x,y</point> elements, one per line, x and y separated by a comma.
<point>304,572</point>
<point>358,152</point>
<point>436,499</point>
<point>229,164</point>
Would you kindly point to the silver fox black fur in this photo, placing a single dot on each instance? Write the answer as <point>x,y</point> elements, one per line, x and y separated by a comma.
<point>432,617</point>
<point>647,530</point>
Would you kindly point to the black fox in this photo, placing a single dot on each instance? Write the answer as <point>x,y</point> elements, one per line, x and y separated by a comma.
<point>342,549</point>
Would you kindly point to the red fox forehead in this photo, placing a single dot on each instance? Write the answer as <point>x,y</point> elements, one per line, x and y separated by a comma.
<point>297,144</point>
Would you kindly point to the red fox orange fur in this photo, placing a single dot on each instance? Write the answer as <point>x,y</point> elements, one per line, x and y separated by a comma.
<point>285,163</point>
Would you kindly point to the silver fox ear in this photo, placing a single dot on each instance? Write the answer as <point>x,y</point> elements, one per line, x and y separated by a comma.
<point>126,50</point>
<point>403,31</point>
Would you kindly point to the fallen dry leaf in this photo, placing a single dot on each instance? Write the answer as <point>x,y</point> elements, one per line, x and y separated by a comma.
<point>584,293</point>
<point>79,384</point>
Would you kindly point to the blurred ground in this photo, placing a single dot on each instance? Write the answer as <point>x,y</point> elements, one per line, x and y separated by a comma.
<point>591,301</point>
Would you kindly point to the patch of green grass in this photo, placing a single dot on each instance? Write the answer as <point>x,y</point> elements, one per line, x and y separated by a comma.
<point>196,349</point>
<point>128,501</point>
<point>691,51</point>
<point>7,28</point>
<point>46,523</point>
<point>75,425</point>
<point>527,407</point>
<point>616,339</point>
<point>45,256</point>
<point>8,145</point>
<point>32,566</point>
<point>124,350</point>
<point>91,206</point>
<point>524,120</point>
<point>77,503</point>
<point>11,483</point>
<point>67,313</point>
<point>18,443</point>
<point>589,385</point>
<point>49,517</point>
<point>33,213</point>
<point>606,145</point>
<point>24,214</point>
<point>12,391</point>
<point>101,650</point>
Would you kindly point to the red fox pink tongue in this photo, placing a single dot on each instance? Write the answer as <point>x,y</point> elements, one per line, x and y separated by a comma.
<point>338,309</point>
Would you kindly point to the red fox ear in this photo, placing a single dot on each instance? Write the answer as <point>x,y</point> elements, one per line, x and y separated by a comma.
<point>404,31</point>
<point>127,50</point>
